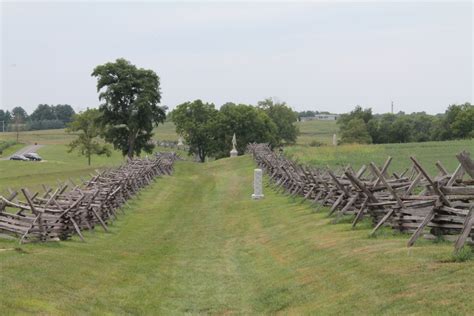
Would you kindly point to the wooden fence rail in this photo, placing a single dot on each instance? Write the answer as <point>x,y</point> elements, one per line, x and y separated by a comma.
<point>57,214</point>
<point>411,201</point>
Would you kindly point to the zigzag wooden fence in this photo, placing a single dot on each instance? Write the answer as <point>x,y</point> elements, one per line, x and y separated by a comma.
<point>69,209</point>
<point>411,201</point>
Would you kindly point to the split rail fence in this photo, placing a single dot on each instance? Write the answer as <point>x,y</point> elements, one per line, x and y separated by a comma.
<point>57,214</point>
<point>411,201</point>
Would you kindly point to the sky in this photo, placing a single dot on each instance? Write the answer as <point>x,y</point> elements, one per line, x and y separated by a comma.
<point>325,56</point>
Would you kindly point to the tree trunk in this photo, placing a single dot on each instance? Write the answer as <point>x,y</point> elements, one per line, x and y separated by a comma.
<point>131,145</point>
<point>89,159</point>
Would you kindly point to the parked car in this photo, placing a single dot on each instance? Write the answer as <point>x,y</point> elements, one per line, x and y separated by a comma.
<point>19,157</point>
<point>33,156</point>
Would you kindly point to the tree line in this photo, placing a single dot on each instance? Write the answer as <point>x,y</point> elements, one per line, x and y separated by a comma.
<point>131,109</point>
<point>362,126</point>
<point>209,131</point>
<point>45,116</point>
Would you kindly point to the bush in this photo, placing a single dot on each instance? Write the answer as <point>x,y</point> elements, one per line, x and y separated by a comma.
<point>316,143</point>
<point>45,124</point>
<point>4,145</point>
<point>464,254</point>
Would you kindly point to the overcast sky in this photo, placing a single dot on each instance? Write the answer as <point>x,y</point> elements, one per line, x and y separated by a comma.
<point>313,55</point>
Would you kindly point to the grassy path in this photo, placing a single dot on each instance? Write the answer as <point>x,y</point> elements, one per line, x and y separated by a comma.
<point>195,243</point>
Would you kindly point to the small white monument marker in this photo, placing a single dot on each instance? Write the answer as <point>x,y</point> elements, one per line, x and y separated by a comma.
<point>334,140</point>
<point>257,184</point>
<point>234,152</point>
<point>180,142</point>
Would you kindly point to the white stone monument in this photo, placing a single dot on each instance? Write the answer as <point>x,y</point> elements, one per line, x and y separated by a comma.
<point>234,152</point>
<point>180,142</point>
<point>334,140</point>
<point>257,185</point>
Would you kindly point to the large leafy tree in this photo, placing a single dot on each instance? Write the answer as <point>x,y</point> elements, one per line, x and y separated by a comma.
<point>86,126</point>
<point>19,114</point>
<point>356,132</point>
<point>250,124</point>
<point>64,112</point>
<point>43,112</point>
<point>131,108</point>
<point>284,118</point>
<point>196,121</point>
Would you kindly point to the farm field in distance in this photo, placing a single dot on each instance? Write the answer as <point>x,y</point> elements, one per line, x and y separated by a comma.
<point>59,165</point>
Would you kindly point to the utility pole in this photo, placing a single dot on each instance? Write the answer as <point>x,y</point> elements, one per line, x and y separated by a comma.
<point>392,107</point>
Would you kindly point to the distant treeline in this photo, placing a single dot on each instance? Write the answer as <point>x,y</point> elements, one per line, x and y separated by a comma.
<point>361,126</point>
<point>311,113</point>
<point>43,117</point>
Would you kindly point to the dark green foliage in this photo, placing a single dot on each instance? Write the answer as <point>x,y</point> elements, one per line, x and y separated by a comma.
<point>355,131</point>
<point>19,114</point>
<point>209,132</point>
<point>250,124</point>
<point>5,116</point>
<point>43,112</point>
<point>310,113</point>
<point>44,124</point>
<point>353,126</point>
<point>86,126</point>
<point>196,122</point>
<point>131,108</point>
<point>456,123</point>
<point>284,118</point>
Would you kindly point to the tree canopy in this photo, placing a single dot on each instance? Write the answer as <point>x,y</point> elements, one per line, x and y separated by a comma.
<point>283,117</point>
<point>196,121</point>
<point>85,125</point>
<point>456,123</point>
<point>249,123</point>
<point>131,108</point>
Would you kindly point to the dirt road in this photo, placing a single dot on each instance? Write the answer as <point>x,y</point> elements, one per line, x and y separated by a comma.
<point>24,150</point>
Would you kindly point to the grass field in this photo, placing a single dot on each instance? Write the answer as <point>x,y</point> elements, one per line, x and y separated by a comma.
<point>319,131</point>
<point>357,155</point>
<point>59,165</point>
<point>196,243</point>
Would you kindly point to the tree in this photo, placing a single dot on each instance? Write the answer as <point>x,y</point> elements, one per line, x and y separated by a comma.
<point>196,122</point>
<point>284,118</point>
<point>250,124</point>
<point>463,124</point>
<point>357,121</point>
<point>87,128</point>
<point>356,132</point>
<point>5,118</point>
<point>130,110</point>
<point>43,112</point>
<point>19,118</point>
<point>64,112</point>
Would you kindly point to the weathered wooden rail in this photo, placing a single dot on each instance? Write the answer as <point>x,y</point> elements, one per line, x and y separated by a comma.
<point>411,201</point>
<point>57,214</point>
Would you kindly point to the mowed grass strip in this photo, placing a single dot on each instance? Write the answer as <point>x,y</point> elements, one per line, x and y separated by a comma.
<point>196,243</point>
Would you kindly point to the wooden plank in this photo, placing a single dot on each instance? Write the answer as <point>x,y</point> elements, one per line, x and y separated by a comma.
<point>466,230</point>
<point>422,226</point>
<point>466,162</point>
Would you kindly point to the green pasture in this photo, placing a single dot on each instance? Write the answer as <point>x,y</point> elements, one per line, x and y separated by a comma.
<point>166,132</point>
<point>195,243</point>
<point>357,155</point>
<point>316,131</point>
